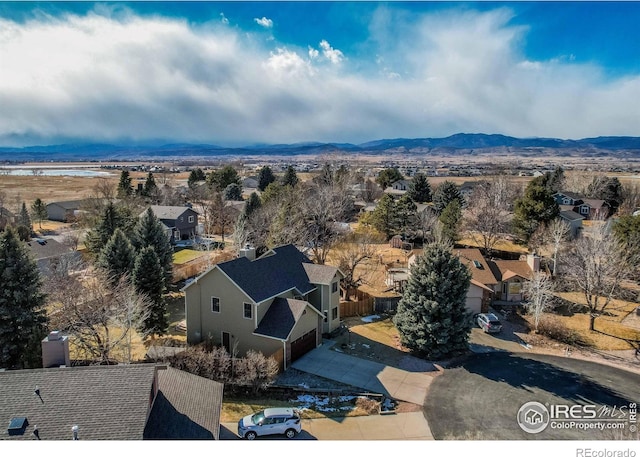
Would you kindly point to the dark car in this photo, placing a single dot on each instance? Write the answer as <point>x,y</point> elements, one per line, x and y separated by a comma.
<point>489,323</point>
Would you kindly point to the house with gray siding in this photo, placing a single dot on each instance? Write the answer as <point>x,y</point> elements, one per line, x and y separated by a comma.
<point>65,211</point>
<point>279,304</point>
<point>181,222</point>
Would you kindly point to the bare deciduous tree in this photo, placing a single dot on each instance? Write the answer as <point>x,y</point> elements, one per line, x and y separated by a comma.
<point>558,232</point>
<point>597,264</point>
<point>353,250</point>
<point>538,292</point>
<point>255,370</point>
<point>100,318</point>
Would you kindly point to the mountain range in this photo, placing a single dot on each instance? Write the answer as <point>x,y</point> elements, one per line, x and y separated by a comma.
<point>458,144</point>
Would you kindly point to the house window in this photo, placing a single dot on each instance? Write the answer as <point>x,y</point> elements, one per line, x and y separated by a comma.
<point>215,305</point>
<point>325,315</point>
<point>334,313</point>
<point>334,287</point>
<point>181,219</point>
<point>566,201</point>
<point>248,311</point>
<point>191,219</point>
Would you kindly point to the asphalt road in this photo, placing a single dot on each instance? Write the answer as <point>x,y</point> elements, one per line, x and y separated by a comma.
<point>480,398</point>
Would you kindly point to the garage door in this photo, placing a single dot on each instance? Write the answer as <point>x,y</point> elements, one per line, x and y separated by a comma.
<point>303,345</point>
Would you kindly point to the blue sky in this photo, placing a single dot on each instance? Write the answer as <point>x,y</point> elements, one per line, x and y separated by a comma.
<point>248,72</point>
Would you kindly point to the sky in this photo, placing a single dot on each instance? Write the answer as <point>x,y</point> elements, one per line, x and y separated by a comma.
<point>241,73</point>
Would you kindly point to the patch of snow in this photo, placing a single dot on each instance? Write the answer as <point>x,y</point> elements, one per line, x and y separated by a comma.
<point>303,385</point>
<point>366,345</point>
<point>369,319</point>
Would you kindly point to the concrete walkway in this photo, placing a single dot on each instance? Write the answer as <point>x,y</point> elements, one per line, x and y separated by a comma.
<point>403,426</point>
<point>371,376</point>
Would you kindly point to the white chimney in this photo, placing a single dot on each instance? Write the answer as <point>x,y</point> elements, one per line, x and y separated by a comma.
<point>247,251</point>
<point>55,350</point>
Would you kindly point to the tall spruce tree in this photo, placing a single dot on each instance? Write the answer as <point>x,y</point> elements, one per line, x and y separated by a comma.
<point>444,194</point>
<point>109,221</point>
<point>420,189</point>
<point>149,232</point>
<point>265,177</point>
<point>290,177</point>
<point>23,319</point>
<point>233,192</point>
<point>148,279</point>
<point>432,317</point>
<point>150,187</point>
<point>450,221</point>
<point>253,203</point>
<point>39,211</point>
<point>117,257</point>
<point>384,218</point>
<point>537,207</point>
<point>24,219</point>
<point>124,185</point>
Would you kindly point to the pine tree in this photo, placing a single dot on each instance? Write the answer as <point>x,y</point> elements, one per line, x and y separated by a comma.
<point>388,176</point>
<point>124,186</point>
<point>384,217</point>
<point>149,232</point>
<point>432,317</point>
<point>444,194</point>
<point>537,207</point>
<point>253,203</point>
<point>110,220</point>
<point>148,279</point>
<point>150,187</point>
<point>22,316</point>
<point>117,257</point>
<point>450,221</point>
<point>24,219</point>
<point>219,179</point>
<point>233,192</point>
<point>265,177</point>
<point>406,215</point>
<point>39,210</point>
<point>420,189</point>
<point>195,176</point>
<point>290,177</point>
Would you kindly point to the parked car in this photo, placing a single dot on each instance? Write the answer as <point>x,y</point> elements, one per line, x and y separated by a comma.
<point>271,421</point>
<point>489,322</point>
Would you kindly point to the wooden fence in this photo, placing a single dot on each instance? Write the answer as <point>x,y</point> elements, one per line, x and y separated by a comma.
<point>363,307</point>
<point>198,266</point>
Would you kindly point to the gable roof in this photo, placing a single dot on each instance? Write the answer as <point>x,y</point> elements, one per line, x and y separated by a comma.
<point>320,274</point>
<point>46,248</point>
<point>571,195</point>
<point>482,274</point>
<point>69,204</point>
<point>594,203</point>
<point>570,215</point>
<point>281,317</point>
<point>168,212</point>
<point>106,402</point>
<point>275,272</point>
<point>507,269</point>
<point>186,407</point>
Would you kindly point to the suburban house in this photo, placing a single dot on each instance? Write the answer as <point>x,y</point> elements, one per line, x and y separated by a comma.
<point>181,222</point>
<point>250,182</point>
<point>491,280</point>
<point>48,253</point>
<point>109,402</point>
<point>573,220</point>
<point>466,190</point>
<point>64,211</point>
<point>398,188</point>
<point>279,304</point>
<point>589,208</point>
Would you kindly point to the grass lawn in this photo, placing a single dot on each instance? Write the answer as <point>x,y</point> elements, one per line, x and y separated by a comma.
<point>186,255</point>
<point>610,333</point>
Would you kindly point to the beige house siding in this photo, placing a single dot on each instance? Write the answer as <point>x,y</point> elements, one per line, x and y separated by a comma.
<point>511,290</point>
<point>474,299</point>
<point>334,303</point>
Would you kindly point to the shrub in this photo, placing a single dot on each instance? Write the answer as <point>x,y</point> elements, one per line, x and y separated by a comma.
<point>556,330</point>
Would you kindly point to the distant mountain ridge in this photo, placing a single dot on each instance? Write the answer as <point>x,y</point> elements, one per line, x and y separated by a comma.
<point>459,143</point>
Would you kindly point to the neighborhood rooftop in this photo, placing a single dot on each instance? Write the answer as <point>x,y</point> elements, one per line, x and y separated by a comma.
<point>281,317</point>
<point>168,212</point>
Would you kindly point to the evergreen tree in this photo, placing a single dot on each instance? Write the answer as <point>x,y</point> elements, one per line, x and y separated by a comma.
<point>405,215</point>
<point>273,192</point>
<point>150,187</point>
<point>537,207</point>
<point>290,177</point>
<point>124,185</point>
<point>450,221</point>
<point>253,203</point>
<point>444,194</point>
<point>39,211</point>
<point>149,232</point>
<point>117,257</point>
<point>384,218</point>
<point>420,189</point>
<point>265,177</point>
<point>24,219</point>
<point>220,179</point>
<point>22,316</point>
<point>233,192</point>
<point>388,176</point>
<point>608,189</point>
<point>432,317</point>
<point>148,279</point>
<point>195,176</point>
<point>110,220</point>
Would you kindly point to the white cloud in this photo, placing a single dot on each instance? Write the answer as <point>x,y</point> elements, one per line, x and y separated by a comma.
<point>264,22</point>
<point>130,77</point>
<point>334,55</point>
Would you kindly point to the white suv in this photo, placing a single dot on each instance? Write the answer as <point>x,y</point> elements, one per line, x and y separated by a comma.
<point>271,421</point>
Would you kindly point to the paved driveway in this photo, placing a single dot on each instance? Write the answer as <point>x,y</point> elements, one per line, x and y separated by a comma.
<point>404,426</point>
<point>370,376</point>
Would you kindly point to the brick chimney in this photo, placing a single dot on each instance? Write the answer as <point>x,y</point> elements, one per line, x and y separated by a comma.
<point>533,260</point>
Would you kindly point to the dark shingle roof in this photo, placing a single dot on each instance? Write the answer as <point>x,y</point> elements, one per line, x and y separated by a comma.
<point>281,317</point>
<point>571,195</point>
<point>47,248</point>
<point>272,274</point>
<point>70,204</point>
<point>168,212</point>
<point>106,402</point>
<point>186,407</point>
<point>570,215</point>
